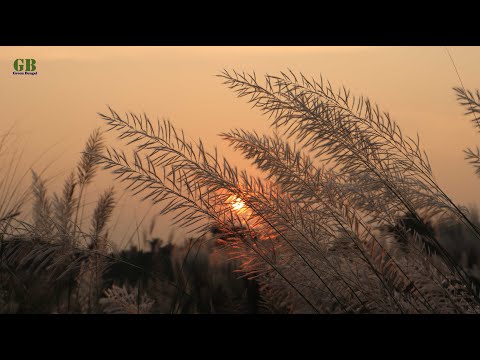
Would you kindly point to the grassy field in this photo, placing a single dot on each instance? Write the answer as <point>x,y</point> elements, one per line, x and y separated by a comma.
<point>347,217</point>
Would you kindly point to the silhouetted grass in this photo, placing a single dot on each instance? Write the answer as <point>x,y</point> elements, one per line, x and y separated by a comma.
<point>341,221</point>
<point>346,218</point>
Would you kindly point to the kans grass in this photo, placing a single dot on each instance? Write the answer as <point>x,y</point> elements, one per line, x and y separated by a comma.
<point>347,217</point>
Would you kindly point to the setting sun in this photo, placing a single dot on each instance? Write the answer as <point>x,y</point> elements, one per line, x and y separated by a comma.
<point>237,204</point>
<point>239,179</point>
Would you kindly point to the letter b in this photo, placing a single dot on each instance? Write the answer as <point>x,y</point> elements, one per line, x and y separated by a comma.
<point>31,65</point>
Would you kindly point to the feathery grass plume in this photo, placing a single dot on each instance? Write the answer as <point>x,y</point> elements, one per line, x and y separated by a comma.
<point>191,182</point>
<point>281,239</point>
<point>90,280</point>
<point>361,141</point>
<point>88,164</point>
<point>100,217</point>
<point>87,168</point>
<point>64,208</point>
<point>126,300</point>
<point>471,101</point>
<point>308,186</point>
<point>91,277</point>
<point>351,134</point>
<point>313,231</point>
<point>42,209</point>
<point>47,250</point>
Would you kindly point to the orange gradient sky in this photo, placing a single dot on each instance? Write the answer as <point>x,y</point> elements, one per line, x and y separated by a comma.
<point>55,111</point>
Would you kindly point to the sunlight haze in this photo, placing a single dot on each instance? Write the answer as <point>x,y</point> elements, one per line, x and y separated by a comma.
<point>53,113</point>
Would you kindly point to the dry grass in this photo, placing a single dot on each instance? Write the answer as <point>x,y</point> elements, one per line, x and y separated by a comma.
<point>313,229</point>
<point>346,218</point>
<point>53,248</point>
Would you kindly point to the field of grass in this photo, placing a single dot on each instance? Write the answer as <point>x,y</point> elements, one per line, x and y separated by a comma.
<point>347,217</point>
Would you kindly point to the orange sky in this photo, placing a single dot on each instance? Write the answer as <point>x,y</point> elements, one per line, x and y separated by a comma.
<point>56,110</point>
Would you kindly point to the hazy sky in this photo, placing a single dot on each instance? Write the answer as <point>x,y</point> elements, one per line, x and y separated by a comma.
<point>57,109</point>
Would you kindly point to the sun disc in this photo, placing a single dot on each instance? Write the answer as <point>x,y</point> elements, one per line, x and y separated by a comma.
<point>238,204</point>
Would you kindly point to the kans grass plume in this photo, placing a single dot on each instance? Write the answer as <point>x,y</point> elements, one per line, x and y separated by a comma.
<point>54,249</point>
<point>321,230</point>
<point>347,216</point>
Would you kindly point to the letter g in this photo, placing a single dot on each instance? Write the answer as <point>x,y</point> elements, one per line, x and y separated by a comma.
<point>18,65</point>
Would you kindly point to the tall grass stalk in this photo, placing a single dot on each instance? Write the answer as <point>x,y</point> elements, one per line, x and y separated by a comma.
<point>86,169</point>
<point>312,229</point>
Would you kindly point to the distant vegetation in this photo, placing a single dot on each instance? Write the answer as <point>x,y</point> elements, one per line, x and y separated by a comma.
<point>347,217</point>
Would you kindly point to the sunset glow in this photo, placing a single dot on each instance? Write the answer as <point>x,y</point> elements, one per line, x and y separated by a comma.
<point>237,204</point>
<point>240,179</point>
<point>178,83</point>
